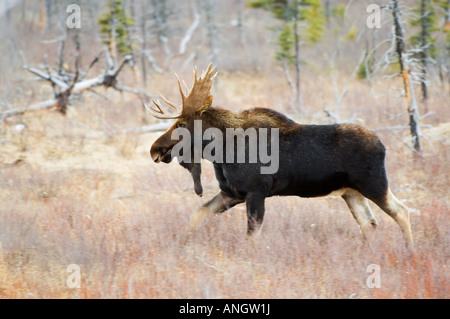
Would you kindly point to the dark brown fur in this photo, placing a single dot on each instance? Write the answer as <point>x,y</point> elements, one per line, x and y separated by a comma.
<point>314,160</point>
<point>255,118</point>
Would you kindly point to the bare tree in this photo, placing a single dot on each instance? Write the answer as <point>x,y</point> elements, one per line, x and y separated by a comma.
<point>340,95</point>
<point>424,34</point>
<point>65,84</point>
<point>298,96</point>
<point>404,71</point>
<point>49,14</point>
<point>208,6</point>
<point>161,17</point>
<point>144,44</point>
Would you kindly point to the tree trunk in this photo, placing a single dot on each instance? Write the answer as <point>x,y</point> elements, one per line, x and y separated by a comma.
<point>212,30</point>
<point>327,12</point>
<point>161,20</point>
<point>404,71</point>
<point>144,43</point>
<point>447,48</point>
<point>49,14</point>
<point>239,24</point>
<point>298,97</point>
<point>424,50</point>
<point>447,14</point>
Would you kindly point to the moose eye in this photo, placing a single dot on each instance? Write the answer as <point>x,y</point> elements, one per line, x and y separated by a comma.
<point>180,124</point>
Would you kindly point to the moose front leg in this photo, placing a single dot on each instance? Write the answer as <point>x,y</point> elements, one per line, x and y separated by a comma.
<point>255,212</point>
<point>196,170</point>
<point>220,203</point>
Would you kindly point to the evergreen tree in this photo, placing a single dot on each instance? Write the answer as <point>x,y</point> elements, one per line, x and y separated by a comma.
<point>424,41</point>
<point>114,26</point>
<point>285,44</point>
<point>290,12</point>
<point>310,11</point>
<point>314,15</point>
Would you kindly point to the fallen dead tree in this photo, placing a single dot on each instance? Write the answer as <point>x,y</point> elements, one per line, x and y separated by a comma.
<point>66,84</point>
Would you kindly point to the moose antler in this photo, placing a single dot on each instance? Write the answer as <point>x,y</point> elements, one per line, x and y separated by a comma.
<point>199,99</point>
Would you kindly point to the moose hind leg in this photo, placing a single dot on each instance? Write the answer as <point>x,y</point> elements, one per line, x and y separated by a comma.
<point>399,212</point>
<point>255,213</point>
<point>360,209</point>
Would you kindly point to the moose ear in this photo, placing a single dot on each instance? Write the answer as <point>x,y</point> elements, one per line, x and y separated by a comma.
<point>206,104</point>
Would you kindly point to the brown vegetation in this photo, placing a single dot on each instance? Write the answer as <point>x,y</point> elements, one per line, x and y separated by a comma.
<point>100,202</point>
<point>74,190</point>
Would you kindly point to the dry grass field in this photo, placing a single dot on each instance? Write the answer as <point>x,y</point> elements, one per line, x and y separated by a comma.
<point>74,192</point>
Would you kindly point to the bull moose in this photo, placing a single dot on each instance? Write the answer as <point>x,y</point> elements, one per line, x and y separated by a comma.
<point>314,160</point>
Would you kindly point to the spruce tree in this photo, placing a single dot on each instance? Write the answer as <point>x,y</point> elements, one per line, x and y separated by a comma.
<point>290,12</point>
<point>424,41</point>
<point>114,27</point>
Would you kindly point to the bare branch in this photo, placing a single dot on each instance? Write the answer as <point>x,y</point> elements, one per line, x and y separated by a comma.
<point>163,126</point>
<point>190,31</point>
<point>152,62</point>
<point>33,107</point>
<point>391,128</point>
<point>287,75</point>
<point>52,79</point>
<point>339,97</point>
<point>62,43</point>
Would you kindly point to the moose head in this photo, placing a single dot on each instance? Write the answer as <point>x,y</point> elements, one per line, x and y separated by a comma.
<point>194,103</point>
